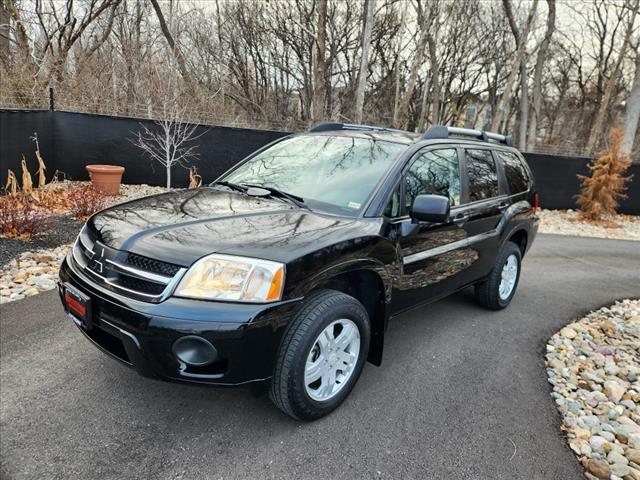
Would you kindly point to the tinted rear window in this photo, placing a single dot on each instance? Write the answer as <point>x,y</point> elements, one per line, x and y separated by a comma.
<point>516,172</point>
<point>482,174</point>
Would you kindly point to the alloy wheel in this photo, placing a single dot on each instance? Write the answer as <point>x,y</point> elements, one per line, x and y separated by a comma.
<point>332,359</point>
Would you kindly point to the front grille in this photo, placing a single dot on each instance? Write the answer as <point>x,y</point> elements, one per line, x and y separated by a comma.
<point>126,273</point>
<point>151,265</point>
<point>142,286</point>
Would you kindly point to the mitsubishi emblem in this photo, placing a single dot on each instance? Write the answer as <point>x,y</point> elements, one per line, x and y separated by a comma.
<point>96,264</point>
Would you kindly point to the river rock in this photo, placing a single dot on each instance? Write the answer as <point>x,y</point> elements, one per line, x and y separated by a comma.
<point>614,390</point>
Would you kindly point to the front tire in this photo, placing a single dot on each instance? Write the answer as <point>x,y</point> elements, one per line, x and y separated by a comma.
<point>496,292</point>
<point>321,355</point>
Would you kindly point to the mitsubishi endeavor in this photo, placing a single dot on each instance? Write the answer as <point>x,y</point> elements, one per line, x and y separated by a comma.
<point>285,271</point>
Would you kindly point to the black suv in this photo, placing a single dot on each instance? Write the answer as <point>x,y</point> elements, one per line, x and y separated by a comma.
<point>284,272</point>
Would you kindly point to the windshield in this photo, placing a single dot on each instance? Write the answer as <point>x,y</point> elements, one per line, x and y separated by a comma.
<point>329,172</point>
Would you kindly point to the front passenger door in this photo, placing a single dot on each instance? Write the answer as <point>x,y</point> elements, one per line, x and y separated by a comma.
<point>434,256</point>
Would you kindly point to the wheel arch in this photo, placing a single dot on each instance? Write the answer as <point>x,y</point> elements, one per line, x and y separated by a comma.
<point>368,287</point>
<point>520,237</point>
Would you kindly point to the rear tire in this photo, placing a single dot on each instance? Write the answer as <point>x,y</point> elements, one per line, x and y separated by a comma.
<point>496,292</point>
<point>313,347</point>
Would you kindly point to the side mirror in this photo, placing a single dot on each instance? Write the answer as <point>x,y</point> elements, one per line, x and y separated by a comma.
<point>430,208</point>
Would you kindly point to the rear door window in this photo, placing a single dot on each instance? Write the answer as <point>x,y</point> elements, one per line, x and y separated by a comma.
<point>515,171</point>
<point>482,174</point>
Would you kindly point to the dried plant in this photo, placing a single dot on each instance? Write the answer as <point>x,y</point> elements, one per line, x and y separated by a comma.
<point>84,201</point>
<point>195,180</point>
<point>602,190</point>
<point>42,179</point>
<point>11,186</point>
<point>19,217</point>
<point>27,183</point>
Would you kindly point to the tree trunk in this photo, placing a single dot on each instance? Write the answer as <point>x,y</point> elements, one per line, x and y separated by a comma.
<point>537,76</point>
<point>413,77</point>
<point>364,60</point>
<point>598,126</point>
<point>521,51</point>
<point>396,98</point>
<point>435,80</point>
<point>424,114</point>
<point>168,176</point>
<point>177,53</point>
<point>632,115</point>
<point>320,64</point>
<point>524,105</point>
<point>4,31</point>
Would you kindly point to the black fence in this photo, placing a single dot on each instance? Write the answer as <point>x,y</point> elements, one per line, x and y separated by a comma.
<point>69,141</point>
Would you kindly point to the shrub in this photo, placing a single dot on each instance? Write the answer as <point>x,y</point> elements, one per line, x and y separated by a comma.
<point>85,200</point>
<point>19,218</point>
<point>606,185</point>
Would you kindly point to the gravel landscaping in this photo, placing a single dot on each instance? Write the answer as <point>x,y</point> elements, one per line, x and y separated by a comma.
<point>29,267</point>
<point>61,230</point>
<point>593,365</point>
<point>568,222</point>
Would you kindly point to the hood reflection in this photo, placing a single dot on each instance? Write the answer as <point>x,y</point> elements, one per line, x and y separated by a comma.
<point>181,227</point>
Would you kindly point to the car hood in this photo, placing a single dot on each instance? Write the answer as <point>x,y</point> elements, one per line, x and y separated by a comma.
<point>180,227</point>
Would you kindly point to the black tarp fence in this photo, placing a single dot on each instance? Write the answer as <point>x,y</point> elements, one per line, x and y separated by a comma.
<point>69,141</point>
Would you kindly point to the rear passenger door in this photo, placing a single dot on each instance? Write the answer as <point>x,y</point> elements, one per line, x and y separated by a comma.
<point>484,200</point>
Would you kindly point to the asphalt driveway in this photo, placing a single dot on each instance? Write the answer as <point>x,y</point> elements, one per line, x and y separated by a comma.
<point>461,394</point>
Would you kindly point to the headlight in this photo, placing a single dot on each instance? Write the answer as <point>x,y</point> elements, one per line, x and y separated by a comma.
<point>227,277</point>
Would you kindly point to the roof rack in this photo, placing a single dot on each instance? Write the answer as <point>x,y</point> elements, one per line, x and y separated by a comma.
<point>441,131</point>
<point>333,126</point>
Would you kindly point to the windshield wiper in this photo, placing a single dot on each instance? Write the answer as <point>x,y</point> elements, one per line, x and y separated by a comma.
<point>232,186</point>
<point>295,199</point>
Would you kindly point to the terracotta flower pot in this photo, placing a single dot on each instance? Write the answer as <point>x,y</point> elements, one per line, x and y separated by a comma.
<point>106,178</point>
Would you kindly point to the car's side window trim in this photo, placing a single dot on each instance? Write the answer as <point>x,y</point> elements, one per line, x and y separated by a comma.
<point>503,187</point>
<point>464,176</point>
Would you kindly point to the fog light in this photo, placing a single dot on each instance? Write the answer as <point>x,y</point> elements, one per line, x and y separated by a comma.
<point>195,351</point>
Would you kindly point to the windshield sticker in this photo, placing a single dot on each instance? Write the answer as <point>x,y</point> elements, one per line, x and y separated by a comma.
<point>355,205</point>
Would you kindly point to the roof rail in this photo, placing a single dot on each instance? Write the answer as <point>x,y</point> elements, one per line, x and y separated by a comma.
<point>441,131</point>
<point>333,126</point>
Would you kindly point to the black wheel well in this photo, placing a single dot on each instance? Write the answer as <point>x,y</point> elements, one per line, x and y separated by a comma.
<point>367,287</point>
<point>520,238</point>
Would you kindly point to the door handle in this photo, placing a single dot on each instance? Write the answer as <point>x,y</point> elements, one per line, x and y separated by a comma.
<point>503,206</point>
<point>460,219</point>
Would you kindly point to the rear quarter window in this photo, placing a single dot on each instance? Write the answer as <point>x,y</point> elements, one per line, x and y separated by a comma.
<point>516,172</point>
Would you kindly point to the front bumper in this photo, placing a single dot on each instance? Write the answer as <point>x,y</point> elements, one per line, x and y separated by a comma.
<point>141,334</point>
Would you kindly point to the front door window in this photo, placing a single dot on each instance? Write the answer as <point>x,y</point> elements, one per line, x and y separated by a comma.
<point>435,172</point>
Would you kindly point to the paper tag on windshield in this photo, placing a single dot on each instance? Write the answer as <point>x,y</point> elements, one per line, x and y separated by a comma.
<point>354,205</point>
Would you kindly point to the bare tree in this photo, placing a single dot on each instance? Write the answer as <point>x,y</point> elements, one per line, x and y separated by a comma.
<point>283,63</point>
<point>364,59</point>
<point>425,20</point>
<point>4,31</point>
<point>520,54</point>
<point>537,75</point>
<point>632,114</point>
<point>435,80</point>
<point>172,141</point>
<point>175,49</point>
<point>320,65</point>
<point>596,132</point>
<point>171,144</point>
